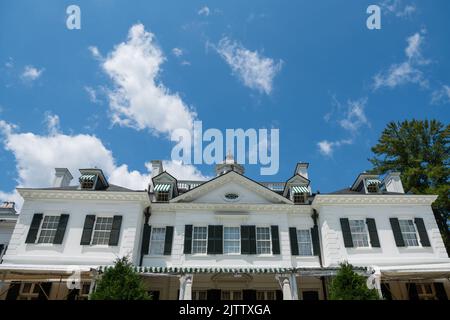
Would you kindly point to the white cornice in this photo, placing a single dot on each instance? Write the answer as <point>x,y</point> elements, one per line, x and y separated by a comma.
<point>36,194</point>
<point>332,199</point>
<point>238,207</point>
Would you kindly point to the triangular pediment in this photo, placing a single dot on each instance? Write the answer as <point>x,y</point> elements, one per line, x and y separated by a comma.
<point>225,188</point>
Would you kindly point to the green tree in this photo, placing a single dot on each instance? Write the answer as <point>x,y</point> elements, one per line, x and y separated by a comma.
<point>420,151</point>
<point>120,282</point>
<point>348,285</point>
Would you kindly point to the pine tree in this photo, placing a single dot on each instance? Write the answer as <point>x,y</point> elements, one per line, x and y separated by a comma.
<point>420,151</point>
<point>120,282</point>
<point>348,285</point>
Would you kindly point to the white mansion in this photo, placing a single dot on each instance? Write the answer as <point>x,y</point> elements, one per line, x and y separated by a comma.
<point>229,238</point>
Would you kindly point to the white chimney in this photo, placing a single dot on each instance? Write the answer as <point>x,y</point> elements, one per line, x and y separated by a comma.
<point>157,167</point>
<point>393,183</point>
<point>302,169</point>
<point>62,177</point>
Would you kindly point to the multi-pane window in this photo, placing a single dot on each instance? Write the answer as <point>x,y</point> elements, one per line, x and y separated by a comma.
<point>157,241</point>
<point>231,295</point>
<point>199,295</point>
<point>425,291</point>
<point>29,291</point>
<point>199,240</point>
<point>266,295</point>
<point>359,233</point>
<point>304,242</point>
<point>300,197</point>
<point>231,240</point>
<point>162,196</point>
<point>48,229</point>
<point>102,230</point>
<point>409,233</point>
<point>263,240</point>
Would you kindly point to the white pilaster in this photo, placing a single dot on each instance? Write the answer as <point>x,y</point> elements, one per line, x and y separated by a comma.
<point>186,287</point>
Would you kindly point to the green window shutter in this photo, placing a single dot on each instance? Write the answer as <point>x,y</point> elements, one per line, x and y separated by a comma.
<point>315,240</point>
<point>87,230</point>
<point>424,240</point>
<point>346,234</point>
<point>293,240</point>
<point>115,231</point>
<point>395,225</point>
<point>34,228</point>
<point>215,239</point>
<point>275,240</point>
<point>211,249</point>
<point>146,239</point>
<point>187,239</point>
<point>219,239</point>
<point>373,234</point>
<point>440,291</point>
<point>252,239</point>
<point>59,235</point>
<point>245,240</point>
<point>168,241</point>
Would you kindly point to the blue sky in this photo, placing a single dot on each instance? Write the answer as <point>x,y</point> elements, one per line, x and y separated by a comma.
<point>312,69</point>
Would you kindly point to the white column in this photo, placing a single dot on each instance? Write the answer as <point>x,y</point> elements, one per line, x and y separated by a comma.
<point>285,285</point>
<point>374,280</point>
<point>294,287</point>
<point>186,287</point>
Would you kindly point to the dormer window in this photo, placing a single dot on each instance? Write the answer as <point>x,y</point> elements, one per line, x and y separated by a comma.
<point>373,186</point>
<point>162,196</point>
<point>162,192</point>
<point>300,194</point>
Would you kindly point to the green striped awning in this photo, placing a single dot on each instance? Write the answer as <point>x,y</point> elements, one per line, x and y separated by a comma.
<point>373,181</point>
<point>252,270</point>
<point>203,270</point>
<point>162,187</point>
<point>300,189</point>
<point>87,177</point>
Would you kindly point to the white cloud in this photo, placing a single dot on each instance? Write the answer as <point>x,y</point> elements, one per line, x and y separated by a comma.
<point>204,11</point>
<point>183,171</point>
<point>92,94</point>
<point>407,71</point>
<point>254,70</point>
<point>397,8</point>
<point>36,169</point>
<point>95,52</point>
<point>327,147</point>
<point>355,116</point>
<point>138,99</point>
<point>350,117</point>
<point>177,52</point>
<point>441,95</point>
<point>31,73</point>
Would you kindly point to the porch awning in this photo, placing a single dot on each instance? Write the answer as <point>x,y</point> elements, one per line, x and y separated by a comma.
<point>87,178</point>
<point>178,270</point>
<point>162,187</point>
<point>416,272</point>
<point>373,181</point>
<point>300,189</point>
